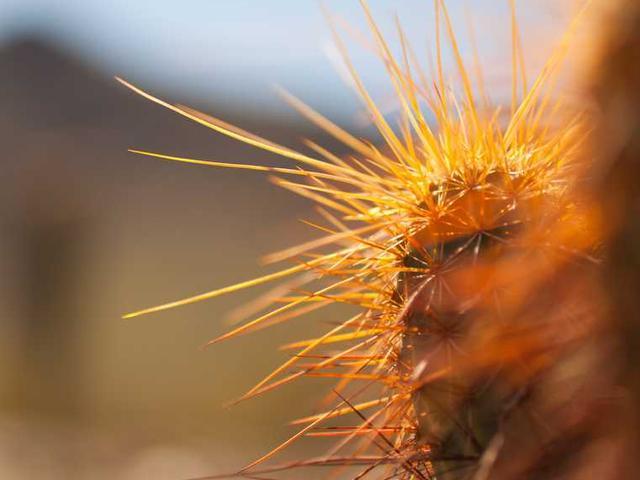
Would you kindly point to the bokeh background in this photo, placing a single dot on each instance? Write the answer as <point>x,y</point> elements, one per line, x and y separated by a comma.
<point>89,231</point>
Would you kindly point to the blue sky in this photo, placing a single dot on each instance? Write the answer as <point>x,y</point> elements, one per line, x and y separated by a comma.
<point>238,49</point>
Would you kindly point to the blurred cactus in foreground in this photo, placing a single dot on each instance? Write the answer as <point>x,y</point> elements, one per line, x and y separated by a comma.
<point>618,185</point>
<point>472,245</point>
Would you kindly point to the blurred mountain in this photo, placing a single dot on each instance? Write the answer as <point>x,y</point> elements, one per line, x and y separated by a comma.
<point>52,100</point>
<point>43,87</point>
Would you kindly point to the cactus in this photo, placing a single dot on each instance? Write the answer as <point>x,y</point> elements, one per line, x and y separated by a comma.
<point>471,251</point>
